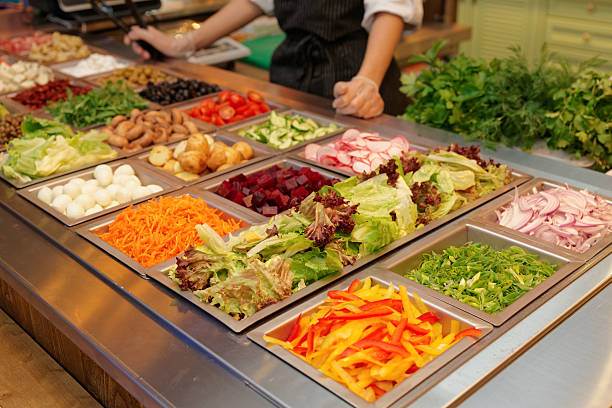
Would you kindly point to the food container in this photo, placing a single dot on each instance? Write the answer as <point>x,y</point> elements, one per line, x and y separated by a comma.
<point>185,106</point>
<point>87,230</point>
<point>461,232</point>
<point>145,176</point>
<point>97,79</point>
<point>65,67</point>
<point>202,127</point>
<point>281,325</point>
<point>299,153</point>
<point>226,138</point>
<point>7,99</point>
<point>486,214</point>
<point>213,184</point>
<point>236,127</point>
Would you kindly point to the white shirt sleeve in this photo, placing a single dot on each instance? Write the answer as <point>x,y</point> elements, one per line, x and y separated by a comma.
<point>411,11</point>
<point>267,6</point>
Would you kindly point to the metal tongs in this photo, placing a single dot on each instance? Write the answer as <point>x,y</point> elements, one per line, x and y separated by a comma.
<point>106,11</point>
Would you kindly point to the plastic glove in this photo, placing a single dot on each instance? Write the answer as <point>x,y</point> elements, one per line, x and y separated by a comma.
<point>180,46</point>
<point>358,97</point>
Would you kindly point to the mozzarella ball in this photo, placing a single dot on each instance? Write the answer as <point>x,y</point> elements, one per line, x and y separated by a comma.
<point>89,189</point>
<point>112,190</point>
<point>78,181</point>
<point>72,189</point>
<point>92,182</point>
<point>120,179</point>
<point>45,195</point>
<point>73,210</point>
<point>154,188</point>
<point>104,174</point>
<point>102,197</point>
<point>140,192</point>
<point>96,208</point>
<point>131,185</point>
<point>61,202</point>
<point>57,191</point>
<point>85,201</point>
<point>112,204</point>
<point>123,195</point>
<point>124,169</point>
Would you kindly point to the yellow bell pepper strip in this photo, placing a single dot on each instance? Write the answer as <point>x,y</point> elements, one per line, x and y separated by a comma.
<point>369,338</point>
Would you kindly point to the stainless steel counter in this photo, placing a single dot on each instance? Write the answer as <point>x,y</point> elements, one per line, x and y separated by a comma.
<point>167,352</point>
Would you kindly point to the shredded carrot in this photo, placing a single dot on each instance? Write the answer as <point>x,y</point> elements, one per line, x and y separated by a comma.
<point>164,227</point>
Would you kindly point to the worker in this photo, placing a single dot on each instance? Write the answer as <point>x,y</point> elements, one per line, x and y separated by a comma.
<point>338,49</point>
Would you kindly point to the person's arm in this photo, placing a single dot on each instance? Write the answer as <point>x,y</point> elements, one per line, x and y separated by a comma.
<point>234,15</point>
<point>360,97</point>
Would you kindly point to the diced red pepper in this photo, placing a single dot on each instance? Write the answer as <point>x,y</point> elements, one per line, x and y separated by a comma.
<point>468,332</point>
<point>296,329</point>
<point>416,329</point>
<point>397,333</point>
<point>428,317</point>
<point>354,286</point>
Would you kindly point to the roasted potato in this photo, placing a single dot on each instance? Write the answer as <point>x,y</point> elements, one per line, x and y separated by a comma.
<point>159,155</point>
<point>198,142</point>
<point>217,158</point>
<point>245,150</point>
<point>180,148</point>
<point>169,166</point>
<point>232,156</point>
<point>193,161</point>
<point>185,175</point>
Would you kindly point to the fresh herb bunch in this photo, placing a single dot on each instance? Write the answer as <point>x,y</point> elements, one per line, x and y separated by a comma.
<point>504,101</point>
<point>98,106</point>
<point>581,121</point>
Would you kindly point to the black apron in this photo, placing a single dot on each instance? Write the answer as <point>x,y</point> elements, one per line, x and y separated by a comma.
<point>325,44</point>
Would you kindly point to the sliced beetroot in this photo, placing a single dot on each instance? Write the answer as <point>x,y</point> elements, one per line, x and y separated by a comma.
<point>274,189</point>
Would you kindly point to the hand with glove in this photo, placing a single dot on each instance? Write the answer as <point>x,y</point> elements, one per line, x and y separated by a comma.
<point>178,47</point>
<point>358,97</point>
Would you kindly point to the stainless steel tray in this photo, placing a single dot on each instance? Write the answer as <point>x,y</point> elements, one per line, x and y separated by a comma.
<point>226,138</point>
<point>145,176</point>
<point>486,214</point>
<point>213,184</point>
<point>234,128</point>
<point>464,231</point>
<point>87,230</point>
<point>281,325</point>
<point>184,106</point>
<point>203,127</point>
<point>59,67</point>
<point>299,154</point>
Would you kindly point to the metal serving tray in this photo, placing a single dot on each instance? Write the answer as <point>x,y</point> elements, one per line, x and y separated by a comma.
<point>184,106</point>
<point>213,184</point>
<point>61,66</point>
<point>235,128</point>
<point>228,139</point>
<point>486,214</point>
<point>281,325</point>
<point>87,230</point>
<point>464,231</point>
<point>299,154</point>
<point>145,176</point>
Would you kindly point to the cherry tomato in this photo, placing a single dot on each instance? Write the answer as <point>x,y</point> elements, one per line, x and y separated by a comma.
<point>254,97</point>
<point>223,96</point>
<point>237,100</point>
<point>227,112</point>
<point>216,120</point>
<point>264,107</point>
<point>242,109</point>
<point>238,117</point>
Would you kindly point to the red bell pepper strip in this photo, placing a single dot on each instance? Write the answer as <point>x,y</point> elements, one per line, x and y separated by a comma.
<point>296,329</point>
<point>416,329</point>
<point>356,316</point>
<point>468,332</point>
<point>340,294</point>
<point>300,350</point>
<point>397,333</point>
<point>310,341</point>
<point>391,348</point>
<point>392,303</point>
<point>428,317</point>
<point>354,286</point>
<point>423,340</point>
<point>380,355</point>
<point>377,390</point>
<point>412,369</point>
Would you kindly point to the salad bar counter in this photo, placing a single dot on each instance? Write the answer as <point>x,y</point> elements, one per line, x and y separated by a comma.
<point>232,242</point>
